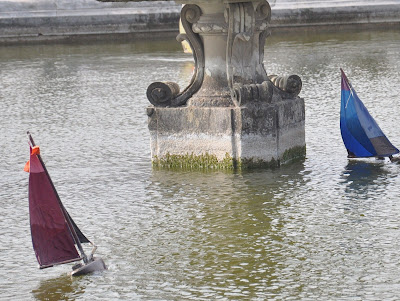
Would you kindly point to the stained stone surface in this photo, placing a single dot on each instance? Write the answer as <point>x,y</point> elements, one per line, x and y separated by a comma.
<point>253,136</point>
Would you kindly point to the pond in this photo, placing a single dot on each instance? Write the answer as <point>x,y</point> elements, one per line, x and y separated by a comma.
<point>325,228</point>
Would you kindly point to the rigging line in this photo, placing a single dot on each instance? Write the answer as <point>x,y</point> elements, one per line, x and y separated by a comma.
<point>347,101</point>
<point>351,92</point>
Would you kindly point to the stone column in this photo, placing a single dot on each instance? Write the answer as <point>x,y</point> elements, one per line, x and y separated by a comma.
<point>232,114</point>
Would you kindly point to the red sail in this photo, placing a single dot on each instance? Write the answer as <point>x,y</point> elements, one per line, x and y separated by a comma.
<point>51,237</point>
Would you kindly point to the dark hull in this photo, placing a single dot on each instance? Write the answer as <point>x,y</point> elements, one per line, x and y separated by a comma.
<point>96,265</point>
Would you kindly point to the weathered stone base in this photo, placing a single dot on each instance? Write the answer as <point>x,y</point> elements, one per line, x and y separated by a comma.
<point>257,135</point>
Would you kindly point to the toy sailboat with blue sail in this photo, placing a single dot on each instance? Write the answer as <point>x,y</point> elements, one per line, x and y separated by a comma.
<point>361,134</point>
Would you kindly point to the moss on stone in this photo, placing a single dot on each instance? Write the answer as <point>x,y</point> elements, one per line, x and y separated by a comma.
<point>194,162</point>
<point>211,162</point>
<point>294,153</point>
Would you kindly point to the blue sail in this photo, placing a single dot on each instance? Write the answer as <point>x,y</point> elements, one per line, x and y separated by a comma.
<point>361,134</point>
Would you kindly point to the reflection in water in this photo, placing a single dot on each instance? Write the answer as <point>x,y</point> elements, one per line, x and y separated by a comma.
<point>60,288</point>
<point>234,232</point>
<point>362,177</point>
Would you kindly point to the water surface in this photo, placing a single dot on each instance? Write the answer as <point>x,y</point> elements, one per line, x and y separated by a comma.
<point>322,229</point>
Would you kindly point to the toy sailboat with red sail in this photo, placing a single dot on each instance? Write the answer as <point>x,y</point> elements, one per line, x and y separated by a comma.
<point>56,238</point>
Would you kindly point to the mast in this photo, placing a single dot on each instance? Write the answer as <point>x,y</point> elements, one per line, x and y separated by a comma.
<point>63,210</point>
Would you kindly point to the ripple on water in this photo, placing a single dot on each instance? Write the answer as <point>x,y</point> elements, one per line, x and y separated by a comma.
<point>323,229</point>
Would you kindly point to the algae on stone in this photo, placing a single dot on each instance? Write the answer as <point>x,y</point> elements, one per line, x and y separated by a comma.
<point>193,162</point>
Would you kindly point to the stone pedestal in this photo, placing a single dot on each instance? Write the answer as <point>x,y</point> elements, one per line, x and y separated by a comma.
<point>227,137</point>
<point>232,114</point>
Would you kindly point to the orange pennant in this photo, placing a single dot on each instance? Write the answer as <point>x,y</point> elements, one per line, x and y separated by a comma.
<point>35,150</point>
<point>27,165</point>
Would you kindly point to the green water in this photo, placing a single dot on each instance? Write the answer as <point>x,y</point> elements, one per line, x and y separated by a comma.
<point>322,229</point>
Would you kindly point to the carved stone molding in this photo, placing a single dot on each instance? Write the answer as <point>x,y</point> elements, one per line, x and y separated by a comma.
<point>211,24</point>
<point>247,31</point>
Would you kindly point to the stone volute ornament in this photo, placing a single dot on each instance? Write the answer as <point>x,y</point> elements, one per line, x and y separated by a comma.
<point>232,114</point>
<point>238,73</point>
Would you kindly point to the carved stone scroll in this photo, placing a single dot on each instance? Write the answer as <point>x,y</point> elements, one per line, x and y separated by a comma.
<point>157,93</point>
<point>160,94</point>
<point>291,84</point>
<point>253,92</point>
